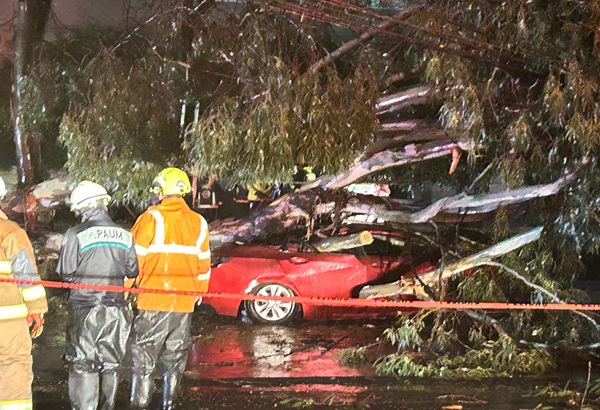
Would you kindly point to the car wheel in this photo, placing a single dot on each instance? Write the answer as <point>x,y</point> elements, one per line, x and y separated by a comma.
<point>272,311</point>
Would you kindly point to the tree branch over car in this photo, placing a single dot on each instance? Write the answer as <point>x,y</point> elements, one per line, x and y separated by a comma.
<point>489,114</point>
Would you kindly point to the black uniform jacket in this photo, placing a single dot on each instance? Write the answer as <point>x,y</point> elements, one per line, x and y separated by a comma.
<point>97,252</point>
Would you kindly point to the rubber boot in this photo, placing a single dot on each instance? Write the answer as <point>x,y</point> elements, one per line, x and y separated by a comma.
<point>170,382</point>
<point>142,387</point>
<point>83,390</point>
<point>109,382</point>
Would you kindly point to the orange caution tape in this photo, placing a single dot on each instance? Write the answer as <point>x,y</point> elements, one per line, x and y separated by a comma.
<point>319,301</point>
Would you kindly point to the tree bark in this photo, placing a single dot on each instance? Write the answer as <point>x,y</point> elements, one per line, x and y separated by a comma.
<point>312,200</point>
<point>398,101</point>
<point>388,159</point>
<point>412,76</point>
<point>485,203</point>
<point>407,126</point>
<point>24,163</point>
<point>461,204</point>
<point>345,242</point>
<point>30,26</point>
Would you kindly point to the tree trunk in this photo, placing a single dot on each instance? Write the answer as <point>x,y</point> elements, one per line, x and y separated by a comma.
<point>398,101</point>
<point>345,242</point>
<point>317,198</point>
<point>30,26</point>
<point>24,163</point>
<point>412,153</point>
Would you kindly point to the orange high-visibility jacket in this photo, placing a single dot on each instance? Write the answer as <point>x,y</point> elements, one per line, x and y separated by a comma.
<point>17,261</point>
<point>172,244</point>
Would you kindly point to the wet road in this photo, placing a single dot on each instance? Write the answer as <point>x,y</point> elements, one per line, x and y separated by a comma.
<point>233,365</point>
<point>235,350</point>
<point>300,366</point>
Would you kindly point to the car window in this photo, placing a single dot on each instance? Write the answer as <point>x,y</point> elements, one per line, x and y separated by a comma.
<point>359,251</point>
<point>295,245</point>
<point>378,247</point>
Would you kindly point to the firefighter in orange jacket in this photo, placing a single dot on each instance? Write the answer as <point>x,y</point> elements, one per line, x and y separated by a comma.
<point>21,305</point>
<point>172,243</point>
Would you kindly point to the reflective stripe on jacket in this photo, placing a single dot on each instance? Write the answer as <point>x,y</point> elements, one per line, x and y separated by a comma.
<point>172,243</point>
<point>17,261</point>
<point>26,404</point>
<point>97,252</point>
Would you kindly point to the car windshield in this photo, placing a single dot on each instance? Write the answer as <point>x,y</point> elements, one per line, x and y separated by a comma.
<point>297,245</point>
<point>381,245</point>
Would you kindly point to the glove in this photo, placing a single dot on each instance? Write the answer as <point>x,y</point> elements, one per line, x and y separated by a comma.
<point>37,320</point>
<point>131,300</point>
<point>130,297</point>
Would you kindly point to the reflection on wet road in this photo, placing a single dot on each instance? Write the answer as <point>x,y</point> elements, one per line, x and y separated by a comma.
<point>237,366</point>
<point>306,350</point>
<point>240,367</point>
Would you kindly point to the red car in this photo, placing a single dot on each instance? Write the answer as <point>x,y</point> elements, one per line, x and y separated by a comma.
<point>271,271</point>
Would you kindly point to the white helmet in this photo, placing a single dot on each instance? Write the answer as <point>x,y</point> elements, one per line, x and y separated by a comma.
<point>2,188</point>
<point>88,194</point>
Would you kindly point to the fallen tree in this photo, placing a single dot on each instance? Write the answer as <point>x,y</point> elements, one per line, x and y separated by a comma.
<point>417,284</point>
<point>319,198</point>
<point>481,99</point>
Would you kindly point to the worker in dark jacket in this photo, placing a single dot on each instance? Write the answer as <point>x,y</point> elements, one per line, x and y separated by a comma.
<point>96,252</point>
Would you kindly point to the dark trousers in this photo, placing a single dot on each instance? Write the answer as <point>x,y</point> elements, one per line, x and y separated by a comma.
<point>96,342</point>
<point>159,340</point>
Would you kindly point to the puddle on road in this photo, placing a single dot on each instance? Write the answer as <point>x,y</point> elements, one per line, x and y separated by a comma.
<point>236,366</point>
<point>234,351</point>
<point>239,367</point>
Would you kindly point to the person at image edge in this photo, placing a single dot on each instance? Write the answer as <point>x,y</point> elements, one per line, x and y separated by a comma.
<point>21,306</point>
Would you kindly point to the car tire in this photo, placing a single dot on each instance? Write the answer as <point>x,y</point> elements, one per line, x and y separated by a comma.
<point>272,311</point>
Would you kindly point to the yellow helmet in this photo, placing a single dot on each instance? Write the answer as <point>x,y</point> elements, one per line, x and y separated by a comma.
<point>171,181</point>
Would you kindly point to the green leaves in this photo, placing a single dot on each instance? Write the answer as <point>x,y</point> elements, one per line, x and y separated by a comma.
<point>493,359</point>
<point>406,335</point>
<point>126,179</point>
<point>235,103</point>
<point>281,118</point>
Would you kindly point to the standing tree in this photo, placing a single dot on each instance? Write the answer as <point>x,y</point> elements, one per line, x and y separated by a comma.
<point>29,31</point>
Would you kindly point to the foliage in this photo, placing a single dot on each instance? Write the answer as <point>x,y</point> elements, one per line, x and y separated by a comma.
<point>235,98</point>
<point>118,125</point>
<point>245,141</point>
<point>282,116</point>
<point>121,174</point>
<point>353,357</point>
<point>520,80</point>
<point>537,124</point>
<point>570,396</point>
<point>406,335</point>
<point>124,99</point>
<point>441,356</point>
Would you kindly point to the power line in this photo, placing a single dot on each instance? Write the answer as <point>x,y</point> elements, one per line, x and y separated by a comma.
<point>337,14</point>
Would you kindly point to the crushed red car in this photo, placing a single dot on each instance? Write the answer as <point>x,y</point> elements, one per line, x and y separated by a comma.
<point>300,270</point>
